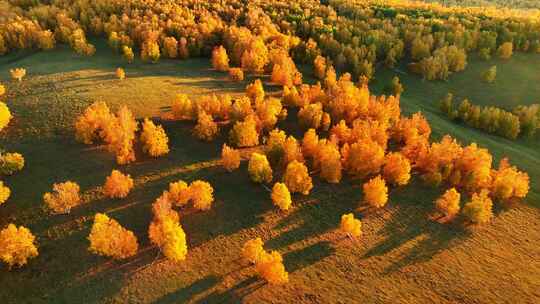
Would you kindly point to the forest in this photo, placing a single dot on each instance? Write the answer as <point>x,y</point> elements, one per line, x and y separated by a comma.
<point>241,151</point>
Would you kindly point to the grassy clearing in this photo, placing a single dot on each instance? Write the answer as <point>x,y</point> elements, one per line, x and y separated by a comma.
<point>402,256</point>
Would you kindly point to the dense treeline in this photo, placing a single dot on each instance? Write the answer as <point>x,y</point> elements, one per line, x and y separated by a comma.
<point>519,4</point>
<point>352,36</point>
<point>523,120</point>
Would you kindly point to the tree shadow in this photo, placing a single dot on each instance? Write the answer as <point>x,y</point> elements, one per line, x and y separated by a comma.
<point>299,259</point>
<point>408,221</point>
<point>236,293</point>
<point>316,216</point>
<point>185,294</point>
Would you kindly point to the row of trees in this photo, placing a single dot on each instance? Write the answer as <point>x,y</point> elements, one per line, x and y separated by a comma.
<point>522,120</point>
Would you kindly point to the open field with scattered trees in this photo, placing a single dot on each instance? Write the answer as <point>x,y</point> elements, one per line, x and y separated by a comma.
<point>274,153</point>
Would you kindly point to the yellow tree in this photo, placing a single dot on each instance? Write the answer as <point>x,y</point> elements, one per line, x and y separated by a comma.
<point>17,245</point>
<point>64,197</point>
<point>182,107</point>
<point>165,230</point>
<point>448,203</point>
<point>201,193</point>
<point>5,115</point>
<point>244,133</point>
<point>230,158</point>
<point>179,193</point>
<point>397,169</point>
<point>376,192</point>
<point>4,193</point>
<point>252,249</point>
<point>206,129</point>
<point>259,168</point>
<point>220,60</point>
<point>508,183</point>
<point>270,267</point>
<point>281,196</point>
<point>350,225</point>
<point>154,139</point>
<point>108,238</point>
<point>118,185</point>
<point>297,178</point>
<point>478,209</point>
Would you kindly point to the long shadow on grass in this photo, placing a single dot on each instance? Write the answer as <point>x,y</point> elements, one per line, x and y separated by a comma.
<point>409,221</point>
<point>187,293</point>
<point>236,293</point>
<point>316,215</point>
<point>299,259</point>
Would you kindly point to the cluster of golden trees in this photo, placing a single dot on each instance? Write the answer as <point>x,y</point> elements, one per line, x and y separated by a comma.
<point>523,120</point>
<point>354,36</point>
<point>119,132</point>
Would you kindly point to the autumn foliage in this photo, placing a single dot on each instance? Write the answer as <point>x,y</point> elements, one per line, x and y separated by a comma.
<point>64,197</point>
<point>230,158</point>
<point>165,230</point>
<point>350,225</point>
<point>449,203</point>
<point>270,267</point>
<point>10,163</point>
<point>397,169</point>
<point>220,60</point>
<point>252,249</point>
<point>201,194</point>
<point>297,178</point>
<point>281,197</point>
<point>376,192</point>
<point>108,238</point>
<point>478,209</point>
<point>118,185</point>
<point>154,139</point>
<point>5,115</point>
<point>259,168</point>
<point>17,245</point>
<point>5,192</point>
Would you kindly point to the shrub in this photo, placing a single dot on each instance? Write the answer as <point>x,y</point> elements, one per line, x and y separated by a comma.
<point>64,197</point>
<point>478,210</point>
<point>220,60</point>
<point>166,232</point>
<point>120,74</point>
<point>18,73</point>
<point>11,163</point>
<point>206,129</point>
<point>230,158</point>
<point>236,74</point>
<point>448,203</point>
<point>297,178</point>
<point>350,225</point>
<point>270,267</point>
<point>244,133</point>
<point>397,169</point>
<point>110,239</point>
<point>179,192</point>
<point>259,168</point>
<point>4,193</point>
<point>154,139</point>
<point>376,192</point>
<point>118,185</point>
<point>17,245</point>
<point>252,249</point>
<point>201,194</point>
<point>5,115</point>
<point>281,196</point>
<point>182,107</point>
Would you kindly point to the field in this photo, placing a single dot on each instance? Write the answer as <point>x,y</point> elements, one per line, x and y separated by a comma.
<point>402,256</point>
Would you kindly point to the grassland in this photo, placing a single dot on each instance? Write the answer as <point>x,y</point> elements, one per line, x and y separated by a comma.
<point>401,258</point>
